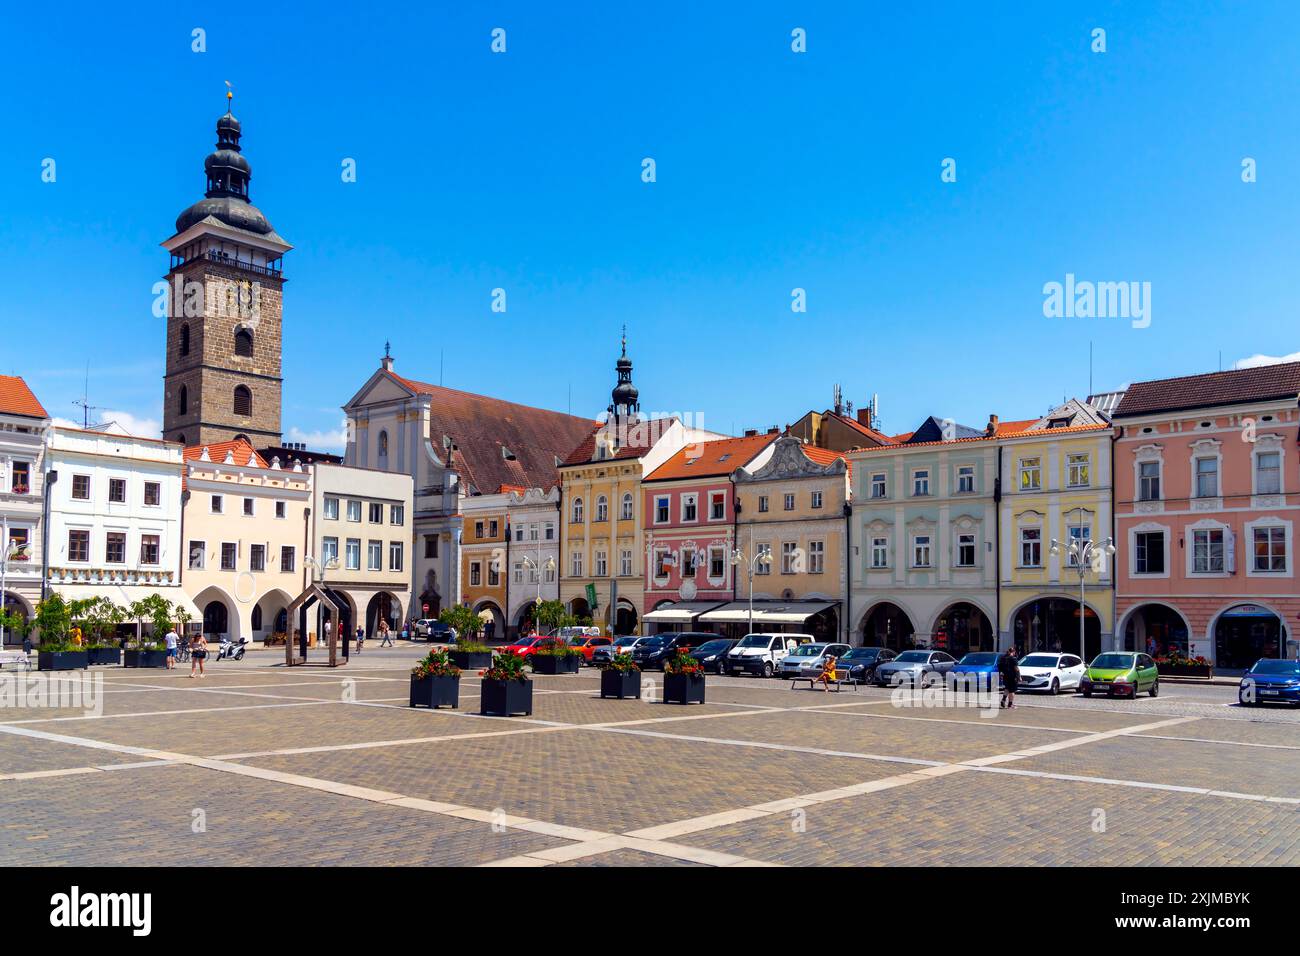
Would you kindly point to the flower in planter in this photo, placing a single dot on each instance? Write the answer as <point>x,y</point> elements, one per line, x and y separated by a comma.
<point>683,663</point>
<point>555,647</point>
<point>435,664</point>
<point>621,662</point>
<point>505,667</point>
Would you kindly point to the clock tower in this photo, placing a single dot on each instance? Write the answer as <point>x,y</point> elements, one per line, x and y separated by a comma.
<point>223,325</point>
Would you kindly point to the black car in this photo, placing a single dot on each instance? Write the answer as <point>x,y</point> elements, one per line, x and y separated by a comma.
<point>713,652</point>
<point>861,662</point>
<point>440,633</point>
<point>653,651</point>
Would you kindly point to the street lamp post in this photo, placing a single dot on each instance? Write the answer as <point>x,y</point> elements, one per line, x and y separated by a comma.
<point>1085,553</point>
<point>763,558</point>
<point>538,567</point>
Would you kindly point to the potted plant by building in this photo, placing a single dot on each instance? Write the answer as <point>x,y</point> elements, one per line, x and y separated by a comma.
<point>435,682</point>
<point>620,678</point>
<point>469,652</point>
<point>555,656</point>
<point>149,651</point>
<point>100,618</point>
<point>1178,664</point>
<point>505,689</point>
<point>683,680</point>
<point>57,652</point>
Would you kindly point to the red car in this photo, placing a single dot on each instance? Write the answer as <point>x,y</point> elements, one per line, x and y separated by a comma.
<point>587,645</point>
<point>523,646</point>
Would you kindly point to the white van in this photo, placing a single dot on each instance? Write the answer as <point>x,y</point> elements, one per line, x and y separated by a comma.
<point>762,653</point>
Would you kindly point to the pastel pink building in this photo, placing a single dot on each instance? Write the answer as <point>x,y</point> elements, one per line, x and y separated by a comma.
<point>690,524</point>
<point>1207,497</point>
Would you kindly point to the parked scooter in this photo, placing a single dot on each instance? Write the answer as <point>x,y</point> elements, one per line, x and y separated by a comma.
<point>232,650</point>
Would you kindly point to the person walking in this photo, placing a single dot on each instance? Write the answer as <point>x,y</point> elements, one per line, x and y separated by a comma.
<point>172,640</point>
<point>27,644</point>
<point>385,634</point>
<point>361,638</point>
<point>1009,670</point>
<point>198,653</point>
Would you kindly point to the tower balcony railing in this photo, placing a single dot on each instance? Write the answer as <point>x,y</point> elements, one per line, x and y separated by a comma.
<point>225,259</point>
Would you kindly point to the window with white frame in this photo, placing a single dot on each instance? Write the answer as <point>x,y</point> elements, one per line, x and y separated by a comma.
<point>575,563</point>
<point>1207,477</point>
<point>661,509</point>
<point>662,563</point>
<point>626,513</point>
<point>965,549</point>
<point>602,508</point>
<point>789,502</point>
<point>602,564</point>
<point>374,556</point>
<point>475,573</point>
<point>816,499</point>
<point>354,510</point>
<point>688,563</point>
<point>1270,549</point>
<point>518,572</point>
<point>1149,481</point>
<point>790,557</point>
<point>329,551</point>
<point>1031,474</point>
<point>549,531</point>
<point>1079,534</point>
<point>1149,552</point>
<point>965,479</point>
<point>1031,547</point>
<point>762,503</point>
<point>575,511</point>
<point>396,514</point>
<point>332,508</point>
<point>1268,473</point>
<point>920,483</point>
<point>717,505</point>
<point>375,512</point>
<point>352,554</point>
<point>625,563</point>
<point>198,550</point>
<point>257,557</point>
<point>1207,550</point>
<point>690,507</point>
<point>880,552</point>
<point>762,567</point>
<point>396,555</point>
<point>717,563</point>
<point>816,557</point>
<point>280,509</point>
<point>921,551</point>
<point>229,556</point>
<point>218,504</point>
<point>878,485</point>
<point>519,532</point>
<point>1078,470</point>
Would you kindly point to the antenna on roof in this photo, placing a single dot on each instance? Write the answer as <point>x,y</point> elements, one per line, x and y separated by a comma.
<point>1090,366</point>
<point>84,402</point>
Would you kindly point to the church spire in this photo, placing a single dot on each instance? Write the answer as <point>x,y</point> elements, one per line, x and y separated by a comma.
<point>625,404</point>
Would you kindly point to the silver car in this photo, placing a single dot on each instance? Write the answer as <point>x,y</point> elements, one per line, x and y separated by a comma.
<point>917,668</point>
<point>809,663</point>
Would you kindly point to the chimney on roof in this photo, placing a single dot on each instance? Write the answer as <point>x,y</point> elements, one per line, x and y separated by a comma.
<point>751,432</point>
<point>773,430</point>
<point>992,428</point>
<point>864,416</point>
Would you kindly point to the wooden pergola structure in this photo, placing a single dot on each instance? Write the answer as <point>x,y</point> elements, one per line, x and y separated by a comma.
<point>297,637</point>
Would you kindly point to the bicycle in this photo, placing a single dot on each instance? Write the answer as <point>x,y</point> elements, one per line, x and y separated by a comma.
<point>183,652</point>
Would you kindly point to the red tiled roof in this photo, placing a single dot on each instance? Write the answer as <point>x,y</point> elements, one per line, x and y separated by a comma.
<point>862,429</point>
<point>1003,433</point>
<point>1010,428</point>
<point>1234,387</point>
<point>712,459</point>
<point>217,452</point>
<point>17,399</point>
<point>901,437</point>
<point>638,439</point>
<point>484,429</point>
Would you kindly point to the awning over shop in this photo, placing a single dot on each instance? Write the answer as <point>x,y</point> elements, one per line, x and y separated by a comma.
<point>124,595</point>
<point>766,612</point>
<point>683,612</point>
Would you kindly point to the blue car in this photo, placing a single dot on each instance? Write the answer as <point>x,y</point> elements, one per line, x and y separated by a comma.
<point>977,671</point>
<point>1269,680</point>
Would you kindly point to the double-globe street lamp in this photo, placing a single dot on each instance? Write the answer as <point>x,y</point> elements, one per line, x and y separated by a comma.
<point>537,567</point>
<point>1087,555</point>
<point>762,559</point>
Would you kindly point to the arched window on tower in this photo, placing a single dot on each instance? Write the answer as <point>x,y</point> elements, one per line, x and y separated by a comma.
<point>181,438</point>
<point>244,343</point>
<point>185,339</point>
<point>183,404</point>
<point>243,401</point>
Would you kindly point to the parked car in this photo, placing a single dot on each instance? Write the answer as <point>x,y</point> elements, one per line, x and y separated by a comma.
<point>621,645</point>
<point>523,646</point>
<point>569,632</point>
<point>1122,673</point>
<point>861,662</point>
<point>653,651</point>
<point>713,653</point>
<point>924,668</point>
<point>1051,672</point>
<point>976,671</point>
<point>803,662</point>
<point>587,644</point>
<point>1270,679</point>
<point>434,631</point>
<point>762,653</point>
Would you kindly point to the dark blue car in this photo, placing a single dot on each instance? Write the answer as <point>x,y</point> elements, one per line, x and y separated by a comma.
<point>977,671</point>
<point>1269,680</point>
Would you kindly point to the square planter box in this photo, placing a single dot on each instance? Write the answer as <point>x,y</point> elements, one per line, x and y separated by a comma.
<point>435,692</point>
<point>104,655</point>
<point>61,660</point>
<point>683,689</point>
<point>550,664</point>
<point>1185,670</point>
<point>467,661</point>
<point>144,658</point>
<point>505,697</point>
<point>620,684</point>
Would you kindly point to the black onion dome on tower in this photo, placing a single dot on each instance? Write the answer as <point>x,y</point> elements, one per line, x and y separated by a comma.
<point>228,174</point>
<point>625,396</point>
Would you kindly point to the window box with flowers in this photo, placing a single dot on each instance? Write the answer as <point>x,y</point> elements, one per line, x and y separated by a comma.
<point>1177,664</point>
<point>435,682</point>
<point>555,657</point>
<point>683,680</point>
<point>620,678</point>
<point>505,689</point>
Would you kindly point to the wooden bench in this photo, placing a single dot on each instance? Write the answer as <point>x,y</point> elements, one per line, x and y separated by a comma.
<point>837,680</point>
<point>15,657</point>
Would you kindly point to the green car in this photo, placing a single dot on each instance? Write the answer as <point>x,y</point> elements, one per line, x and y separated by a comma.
<point>1121,673</point>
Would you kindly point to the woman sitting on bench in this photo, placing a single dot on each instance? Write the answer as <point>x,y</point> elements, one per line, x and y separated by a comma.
<point>826,676</point>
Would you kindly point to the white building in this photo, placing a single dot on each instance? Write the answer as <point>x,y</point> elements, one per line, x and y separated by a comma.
<point>115,517</point>
<point>24,425</point>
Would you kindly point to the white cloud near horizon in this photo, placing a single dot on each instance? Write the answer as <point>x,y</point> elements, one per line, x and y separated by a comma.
<point>118,423</point>
<point>1255,361</point>
<point>331,441</point>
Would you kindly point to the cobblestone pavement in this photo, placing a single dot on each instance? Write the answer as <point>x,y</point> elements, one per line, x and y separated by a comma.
<point>258,764</point>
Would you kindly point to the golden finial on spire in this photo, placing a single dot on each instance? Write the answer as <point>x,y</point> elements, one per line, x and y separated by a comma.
<point>230,94</point>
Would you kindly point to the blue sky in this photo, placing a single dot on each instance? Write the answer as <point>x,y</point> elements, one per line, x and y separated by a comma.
<point>775,171</point>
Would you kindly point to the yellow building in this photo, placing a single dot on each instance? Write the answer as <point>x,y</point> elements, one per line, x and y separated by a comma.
<point>483,564</point>
<point>1056,487</point>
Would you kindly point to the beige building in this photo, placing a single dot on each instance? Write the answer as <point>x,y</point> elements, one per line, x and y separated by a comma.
<point>245,529</point>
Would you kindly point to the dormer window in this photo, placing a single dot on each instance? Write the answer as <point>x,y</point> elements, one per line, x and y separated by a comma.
<point>507,454</point>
